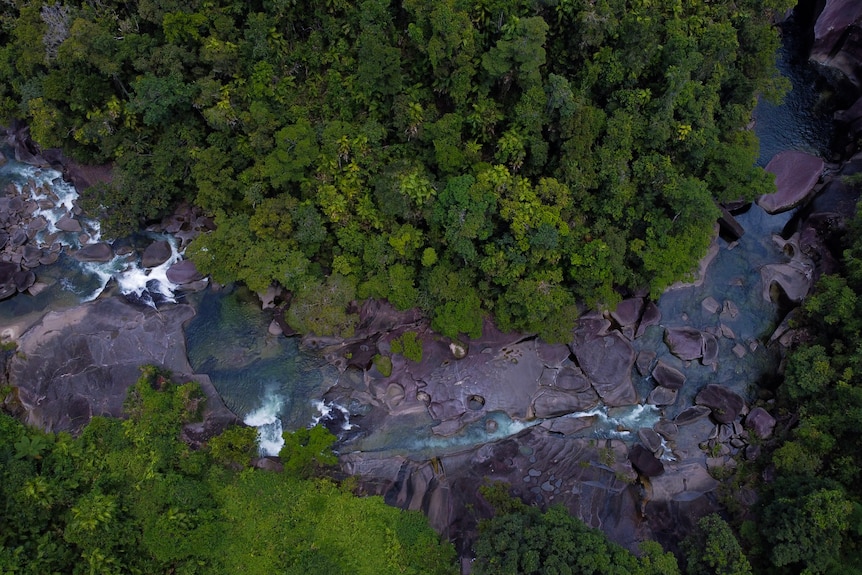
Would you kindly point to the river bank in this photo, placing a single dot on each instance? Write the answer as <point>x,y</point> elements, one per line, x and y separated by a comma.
<point>613,424</point>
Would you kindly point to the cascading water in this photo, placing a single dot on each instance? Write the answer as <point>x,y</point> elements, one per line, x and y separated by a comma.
<point>267,420</point>
<point>56,202</point>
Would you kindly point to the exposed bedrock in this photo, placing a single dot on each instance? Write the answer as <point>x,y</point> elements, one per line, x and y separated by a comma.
<point>607,361</point>
<point>796,173</point>
<point>78,363</point>
<point>838,41</point>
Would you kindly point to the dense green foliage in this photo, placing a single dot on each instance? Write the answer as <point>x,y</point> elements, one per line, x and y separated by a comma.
<point>130,497</point>
<point>712,549</point>
<point>811,517</point>
<point>518,157</point>
<point>522,540</point>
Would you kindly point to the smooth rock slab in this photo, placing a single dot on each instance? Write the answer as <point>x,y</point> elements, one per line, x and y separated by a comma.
<point>662,396</point>
<point>156,254</point>
<point>551,402</point>
<point>80,362</point>
<point>692,414</point>
<point>645,462</point>
<point>725,405</point>
<point>67,224</point>
<point>667,376</point>
<point>183,272</point>
<point>628,311</point>
<point>684,342</point>
<point>607,361</point>
<point>99,252</point>
<point>795,175</point>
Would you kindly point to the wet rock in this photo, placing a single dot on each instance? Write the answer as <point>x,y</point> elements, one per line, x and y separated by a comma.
<point>569,425</point>
<point>18,238</point>
<point>684,342</point>
<point>4,239</point>
<point>156,254</point>
<point>794,278</point>
<point>691,414</point>
<point>837,43</point>
<point>710,305</point>
<point>760,422</point>
<point>267,464</point>
<point>23,279</point>
<point>725,405</point>
<point>667,376</point>
<point>645,462</point>
<point>710,350</point>
<point>607,362</point>
<point>7,272</point>
<point>628,312</point>
<point>651,316</point>
<point>572,379</point>
<point>852,117</point>
<point>730,228</point>
<point>67,224</point>
<point>274,328</point>
<point>650,439</point>
<point>99,252</point>
<point>30,256</point>
<point>795,175</point>
<point>644,361</point>
<point>666,428</point>
<point>739,350</point>
<point>66,360</point>
<point>267,298</point>
<point>550,402</point>
<point>662,396</point>
<point>49,258</point>
<point>183,272</point>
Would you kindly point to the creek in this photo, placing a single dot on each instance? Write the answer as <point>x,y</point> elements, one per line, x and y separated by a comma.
<point>274,384</point>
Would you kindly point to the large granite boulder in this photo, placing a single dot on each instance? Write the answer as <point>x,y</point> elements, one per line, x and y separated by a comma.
<point>838,39</point>
<point>553,402</point>
<point>98,252</point>
<point>725,405</point>
<point>684,342</point>
<point>80,362</point>
<point>607,361</point>
<point>760,422</point>
<point>667,376</point>
<point>184,272</point>
<point>795,175</point>
<point>156,254</point>
<point>645,462</point>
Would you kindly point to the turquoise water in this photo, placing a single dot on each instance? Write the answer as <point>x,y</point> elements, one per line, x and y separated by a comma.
<point>252,370</point>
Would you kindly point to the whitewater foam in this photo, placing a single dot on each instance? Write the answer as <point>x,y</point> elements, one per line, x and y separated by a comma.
<point>268,423</point>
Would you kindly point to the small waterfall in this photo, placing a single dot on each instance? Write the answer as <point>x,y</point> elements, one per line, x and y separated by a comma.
<point>620,422</point>
<point>57,201</point>
<point>267,420</point>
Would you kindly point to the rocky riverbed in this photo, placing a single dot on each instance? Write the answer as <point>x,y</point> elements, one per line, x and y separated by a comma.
<point>631,424</point>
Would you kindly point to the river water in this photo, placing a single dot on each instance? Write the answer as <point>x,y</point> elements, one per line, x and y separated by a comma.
<point>273,384</point>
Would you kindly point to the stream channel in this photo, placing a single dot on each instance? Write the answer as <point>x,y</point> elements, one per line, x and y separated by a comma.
<point>275,385</point>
